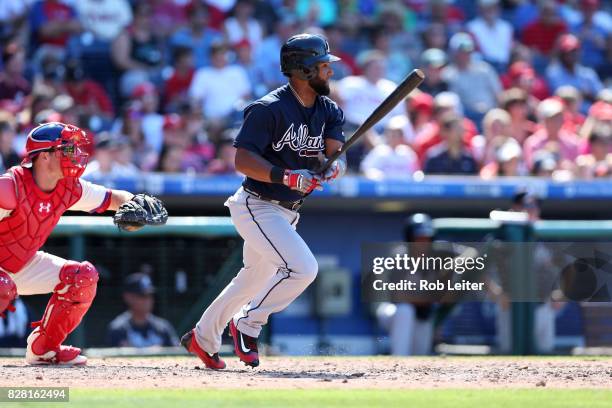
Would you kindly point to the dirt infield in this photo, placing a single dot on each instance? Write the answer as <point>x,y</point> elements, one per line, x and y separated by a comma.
<point>320,372</point>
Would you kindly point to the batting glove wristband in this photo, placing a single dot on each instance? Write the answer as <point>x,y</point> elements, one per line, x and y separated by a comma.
<point>302,180</point>
<point>336,170</point>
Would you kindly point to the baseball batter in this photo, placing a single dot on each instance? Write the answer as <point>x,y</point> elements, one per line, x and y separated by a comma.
<point>279,146</point>
<point>33,197</point>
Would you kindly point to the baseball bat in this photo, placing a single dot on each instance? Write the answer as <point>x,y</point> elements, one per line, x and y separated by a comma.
<point>409,84</point>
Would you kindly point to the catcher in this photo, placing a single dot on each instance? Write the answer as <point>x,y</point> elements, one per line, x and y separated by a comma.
<point>33,197</point>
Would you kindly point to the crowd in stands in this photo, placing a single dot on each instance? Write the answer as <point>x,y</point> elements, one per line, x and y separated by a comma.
<point>513,87</point>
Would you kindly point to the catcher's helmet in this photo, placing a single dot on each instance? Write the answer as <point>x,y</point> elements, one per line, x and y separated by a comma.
<point>301,53</point>
<point>69,139</point>
<point>418,225</point>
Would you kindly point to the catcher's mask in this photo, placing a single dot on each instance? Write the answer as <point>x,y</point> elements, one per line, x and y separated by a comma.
<point>301,53</point>
<point>56,136</point>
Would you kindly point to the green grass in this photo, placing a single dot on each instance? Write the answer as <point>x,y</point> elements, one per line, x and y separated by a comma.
<point>451,398</point>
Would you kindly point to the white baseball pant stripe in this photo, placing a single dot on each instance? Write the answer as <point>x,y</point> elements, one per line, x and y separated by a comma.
<point>278,266</point>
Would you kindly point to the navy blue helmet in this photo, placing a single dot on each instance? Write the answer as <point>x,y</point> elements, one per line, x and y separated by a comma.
<point>301,53</point>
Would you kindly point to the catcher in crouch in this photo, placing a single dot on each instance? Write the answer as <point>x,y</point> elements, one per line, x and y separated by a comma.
<point>33,197</point>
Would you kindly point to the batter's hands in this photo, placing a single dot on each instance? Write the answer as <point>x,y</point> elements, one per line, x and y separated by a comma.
<point>336,170</point>
<point>302,180</point>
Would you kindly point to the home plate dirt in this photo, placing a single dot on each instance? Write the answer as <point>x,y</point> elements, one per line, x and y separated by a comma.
<point>320,372</point>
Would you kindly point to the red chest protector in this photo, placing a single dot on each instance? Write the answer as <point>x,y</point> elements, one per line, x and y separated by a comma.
<point>36,214</point>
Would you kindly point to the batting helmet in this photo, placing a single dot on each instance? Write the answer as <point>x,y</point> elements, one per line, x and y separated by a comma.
<point>69,139</point>
<point>418,225</point>
<point>301,53</point>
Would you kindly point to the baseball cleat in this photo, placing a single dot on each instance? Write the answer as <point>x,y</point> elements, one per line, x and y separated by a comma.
<point>63,356</point>
<point>211,361</point>
<point>245,346</point>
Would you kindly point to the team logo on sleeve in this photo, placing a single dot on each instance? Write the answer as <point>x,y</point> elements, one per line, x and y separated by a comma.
<point>44,208</point>
<point>301,141</point>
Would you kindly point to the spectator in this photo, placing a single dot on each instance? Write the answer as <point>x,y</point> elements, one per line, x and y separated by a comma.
<point>268,55</point>
<point>572,100</point>
<point>393,158</point>
<point>177,86</point>
<point>360,95</point>
<point>124,157</point>
<point>197,35</point>
<point>522,75</point>
<point>13,19</point>
<point>102,20</point>
<point>541,35</point>
<point>210,87</point>
<point>137,52</point>
<point>419,111</point>
<point>171,159</point>
<point>445,13</point>
<point>429,135</point>
<point>13,85</point>
<point>605,69</point>
<point>52,74</point>
<point>597,163</point>
<point>433,61</point>
<point>226,153</point>
<point>552,136</point>
<point>492,34</point>
<point>599,113</point>
<point>545,163</point>
<point>507,162</point>
<point>138,327</point>
<point>151,121</point>
<point>451,156</point>
<point>244,59</point>
<point>567,71</point>
<point>103,163</point>
<point>475,82</point>
<point>129,127</point>
<point>8,155</point>
<point>168,15</point>
<point>52,22</point>
<point>397,62</point>
<point>496,131</point>
<point>514,101</point>
<point>435,36</point>
<point>194,157</point>
<point>591,34</point>
<point>347,66</point>
<point>242,26</point>
<point>398,22</point>
<point>194,127</point>
<point>91,98</point>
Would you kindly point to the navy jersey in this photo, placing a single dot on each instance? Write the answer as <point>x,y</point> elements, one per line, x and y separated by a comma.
<point>288,135</point>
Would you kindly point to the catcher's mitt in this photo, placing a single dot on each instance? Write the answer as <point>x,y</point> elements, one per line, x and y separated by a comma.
<point>141,210</point>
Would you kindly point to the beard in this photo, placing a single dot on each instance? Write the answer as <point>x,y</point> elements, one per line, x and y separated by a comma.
<point>320,86</point>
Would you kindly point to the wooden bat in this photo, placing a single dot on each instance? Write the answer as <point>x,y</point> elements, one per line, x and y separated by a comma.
<point>409,84</point>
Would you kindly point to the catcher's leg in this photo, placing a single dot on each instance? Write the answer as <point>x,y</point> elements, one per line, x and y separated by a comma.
<point>74,288</point>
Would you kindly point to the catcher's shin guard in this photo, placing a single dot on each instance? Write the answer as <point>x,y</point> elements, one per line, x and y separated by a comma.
<point>71,299</point>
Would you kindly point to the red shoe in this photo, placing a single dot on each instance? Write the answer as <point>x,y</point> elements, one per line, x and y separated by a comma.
<point>63,355</point>
<point>245,346</point>
<point>210,360</point>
